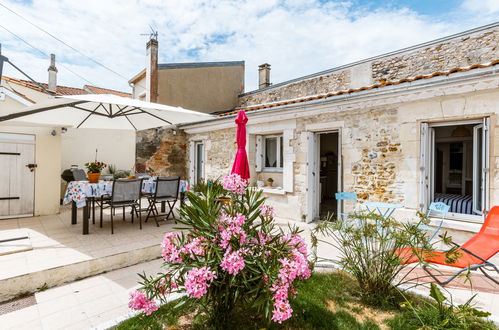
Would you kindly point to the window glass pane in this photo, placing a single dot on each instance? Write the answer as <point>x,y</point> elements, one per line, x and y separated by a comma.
<point>281,152</point>
<point>271,152</point>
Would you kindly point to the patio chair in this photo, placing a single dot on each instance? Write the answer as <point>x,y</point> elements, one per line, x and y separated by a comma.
<point>436,209</point>
<point>125,193</point>
<point>346,196</point>
<point>475,253</point>
<point>79,174</point>
<point>166,191</point>
<point>107,177</point>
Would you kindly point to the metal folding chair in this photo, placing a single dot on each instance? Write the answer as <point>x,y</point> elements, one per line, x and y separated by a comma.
<point>436,209</point>
<point>166,191</point>
<point>79,174</point>
<point>346,196</point>
<point>125,193</point>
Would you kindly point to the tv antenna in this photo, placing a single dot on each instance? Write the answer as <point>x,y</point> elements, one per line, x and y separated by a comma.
<point>153,35</point>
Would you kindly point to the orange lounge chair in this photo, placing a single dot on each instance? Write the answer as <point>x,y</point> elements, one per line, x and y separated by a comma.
<point>475,253</point>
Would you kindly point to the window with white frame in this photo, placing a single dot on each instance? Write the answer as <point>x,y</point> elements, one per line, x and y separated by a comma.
<point>272,153</point>
<point>454,167</point>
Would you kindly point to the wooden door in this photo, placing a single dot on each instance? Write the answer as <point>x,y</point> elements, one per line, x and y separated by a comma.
<point>17,180</point>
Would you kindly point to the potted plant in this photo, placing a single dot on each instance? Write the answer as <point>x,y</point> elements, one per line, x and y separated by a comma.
<point>93,170</point>
<point>270,181</point>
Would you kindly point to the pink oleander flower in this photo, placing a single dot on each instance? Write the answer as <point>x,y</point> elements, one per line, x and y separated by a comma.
<point>296,241</point>
<point>166,285</point>
<point>282,311</point>
<point>234,183</point>
<point>267,211</point>
<point>139,301</point>
<point>232,262</point>
<point>195,247</point>
<point>198,281</point>
<point>170,253</point>
<point>230,227</point>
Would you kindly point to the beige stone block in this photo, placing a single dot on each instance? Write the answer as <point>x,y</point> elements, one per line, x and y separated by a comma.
<point>420,110</point>
<point>408,132</point>
<point>453,107</point>
<point>482,103</point>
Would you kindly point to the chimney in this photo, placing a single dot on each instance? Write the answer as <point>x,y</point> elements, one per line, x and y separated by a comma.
<point>152,71</point>
<point>264,75</point>
<point>52,83</point>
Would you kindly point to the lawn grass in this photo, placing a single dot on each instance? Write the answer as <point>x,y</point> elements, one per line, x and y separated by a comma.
<point>325,301</point>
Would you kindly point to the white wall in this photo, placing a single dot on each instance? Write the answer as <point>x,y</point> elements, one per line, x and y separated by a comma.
<point>116,147</point>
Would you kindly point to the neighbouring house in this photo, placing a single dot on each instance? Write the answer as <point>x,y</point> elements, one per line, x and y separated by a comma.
<point>204,86</point>
<point>38,190</point>
<point>411,127</point>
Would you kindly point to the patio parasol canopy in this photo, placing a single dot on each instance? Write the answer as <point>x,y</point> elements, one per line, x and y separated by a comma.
<point>241,165</point>
<point>105,111</point>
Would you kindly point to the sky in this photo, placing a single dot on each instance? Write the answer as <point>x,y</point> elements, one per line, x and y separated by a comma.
<point>297,37</point>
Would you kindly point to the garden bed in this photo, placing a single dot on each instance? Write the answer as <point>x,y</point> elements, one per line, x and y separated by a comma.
<point>325,301</point>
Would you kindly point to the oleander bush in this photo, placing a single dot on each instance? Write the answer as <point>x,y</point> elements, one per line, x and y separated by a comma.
<point>229,258</point>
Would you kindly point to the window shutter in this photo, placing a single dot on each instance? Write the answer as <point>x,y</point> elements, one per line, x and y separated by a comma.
<point>259,153</point>
<point>311,176</point>
<point>424,168</point>
<point>192,161</point>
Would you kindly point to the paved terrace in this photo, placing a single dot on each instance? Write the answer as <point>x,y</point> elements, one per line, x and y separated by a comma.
<point>60,253</point>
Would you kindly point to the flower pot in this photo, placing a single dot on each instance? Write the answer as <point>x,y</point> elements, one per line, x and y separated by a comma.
<point>93,177</point>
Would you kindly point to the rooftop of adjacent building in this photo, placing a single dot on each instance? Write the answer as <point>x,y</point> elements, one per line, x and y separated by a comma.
<point>186,65</point>
<point>60,90</point>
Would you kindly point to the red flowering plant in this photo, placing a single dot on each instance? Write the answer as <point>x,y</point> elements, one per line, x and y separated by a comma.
<point>95,167</point>
<point>229,257</point>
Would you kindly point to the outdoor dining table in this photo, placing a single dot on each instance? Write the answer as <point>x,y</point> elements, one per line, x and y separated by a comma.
<point>78,193</point>
<point>384,209</point>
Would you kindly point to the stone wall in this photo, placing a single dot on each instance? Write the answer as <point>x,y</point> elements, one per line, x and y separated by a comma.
<point>460,52</point>
<point>161,152</point>
<point>371,153</point>
<point>220,149</point>
<point>318,85</point>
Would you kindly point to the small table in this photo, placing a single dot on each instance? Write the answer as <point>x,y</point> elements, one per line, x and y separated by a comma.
<point>384,209</point>
<point>78,192</point>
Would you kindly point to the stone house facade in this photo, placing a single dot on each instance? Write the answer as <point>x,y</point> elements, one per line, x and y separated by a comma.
<point>409,127</point>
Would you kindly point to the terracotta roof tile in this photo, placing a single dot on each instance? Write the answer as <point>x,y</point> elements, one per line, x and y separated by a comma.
<point>381,84</point>
<point>64,90</point>
<point>99,90</point>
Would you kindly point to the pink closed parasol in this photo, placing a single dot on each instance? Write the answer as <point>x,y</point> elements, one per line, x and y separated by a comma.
<point>241,165</point>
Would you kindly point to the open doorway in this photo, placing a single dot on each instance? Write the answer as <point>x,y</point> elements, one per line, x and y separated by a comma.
<point>328,169</point>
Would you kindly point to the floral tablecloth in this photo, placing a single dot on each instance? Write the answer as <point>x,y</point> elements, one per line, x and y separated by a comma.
<point>79,191</point>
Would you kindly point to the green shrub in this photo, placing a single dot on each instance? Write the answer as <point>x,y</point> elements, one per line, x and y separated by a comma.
<point>441,314</point>
<point>368,246</point>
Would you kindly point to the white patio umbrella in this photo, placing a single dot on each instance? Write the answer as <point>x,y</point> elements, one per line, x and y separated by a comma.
<point>103,111</point>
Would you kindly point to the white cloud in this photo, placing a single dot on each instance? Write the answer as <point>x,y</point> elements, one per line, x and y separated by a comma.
<point>485,7</point>
<point>295,37</point>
